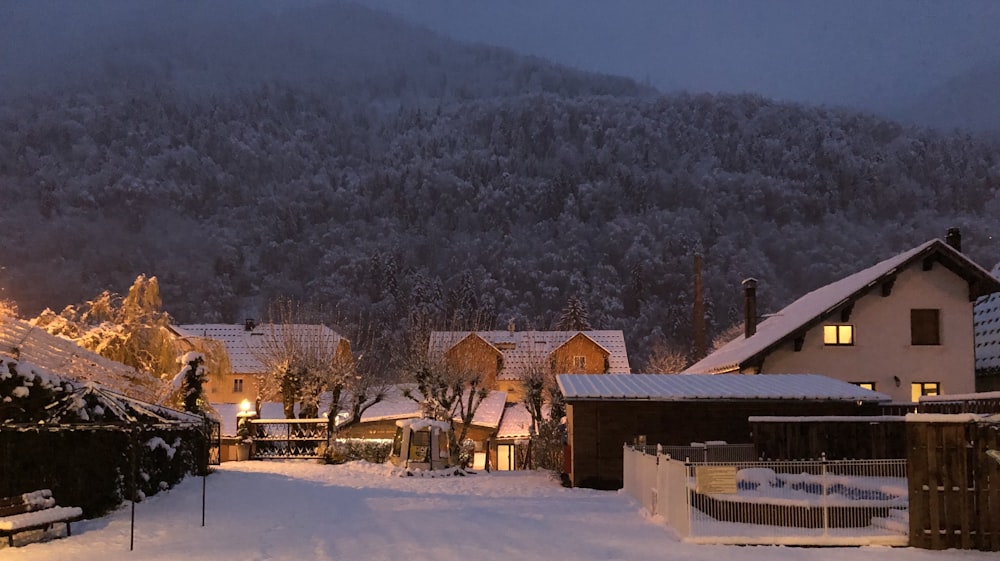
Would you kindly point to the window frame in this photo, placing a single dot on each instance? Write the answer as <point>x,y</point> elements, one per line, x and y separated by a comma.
<point>579,362</point>
<point>237,385</point>
<point>838,329</point>
<point>925,389</point>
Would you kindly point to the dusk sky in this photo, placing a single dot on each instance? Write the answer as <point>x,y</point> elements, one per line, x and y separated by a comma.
<point>852,52</point>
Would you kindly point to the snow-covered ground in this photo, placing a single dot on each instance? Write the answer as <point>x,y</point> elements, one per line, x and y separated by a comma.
<point>301,510</point>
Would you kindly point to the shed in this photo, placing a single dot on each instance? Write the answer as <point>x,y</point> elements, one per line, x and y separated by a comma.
<point>605,412</point>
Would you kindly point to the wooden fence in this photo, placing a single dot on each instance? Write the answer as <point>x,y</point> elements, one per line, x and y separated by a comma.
<point>954,485</point>
<point>848,438</point>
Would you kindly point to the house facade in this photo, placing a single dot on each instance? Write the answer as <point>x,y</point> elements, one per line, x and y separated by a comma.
<point>504,358</point>
<point>987,328</point>
<point>248,349</point>
<point>903,327</point>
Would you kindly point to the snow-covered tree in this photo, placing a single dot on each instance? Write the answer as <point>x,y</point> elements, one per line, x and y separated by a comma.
<point>189,382</point>
<point>574,316</point>
<point>133,329</point>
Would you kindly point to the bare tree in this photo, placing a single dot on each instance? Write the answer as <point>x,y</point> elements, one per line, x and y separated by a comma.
<point>665,359</point>
<point>447,393</point>
<point>446,390</point>
<point>727,335</point>
<point>307,361</point>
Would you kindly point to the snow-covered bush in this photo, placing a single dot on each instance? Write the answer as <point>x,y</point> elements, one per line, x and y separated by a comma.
<point>348,450</point>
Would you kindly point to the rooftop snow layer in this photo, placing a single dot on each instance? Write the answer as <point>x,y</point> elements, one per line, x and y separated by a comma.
<point>520,348</point>
<point>67,359</point>
<point>816,304</point>
<point>248,349</point>
<point>678,387</point>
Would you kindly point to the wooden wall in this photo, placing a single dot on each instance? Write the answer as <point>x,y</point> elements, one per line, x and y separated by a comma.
<point>597,430</point>
<point>838,439</point>
<point>954,486</point>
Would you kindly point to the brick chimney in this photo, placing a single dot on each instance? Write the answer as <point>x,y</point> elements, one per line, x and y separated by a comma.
<point>749,307</point>
<point>954,239</point>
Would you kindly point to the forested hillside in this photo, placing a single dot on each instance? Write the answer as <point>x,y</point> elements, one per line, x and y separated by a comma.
<point>497,195</point>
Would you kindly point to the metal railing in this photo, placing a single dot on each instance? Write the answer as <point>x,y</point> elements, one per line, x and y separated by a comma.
<point>818,502</point>
<point>287,438</point>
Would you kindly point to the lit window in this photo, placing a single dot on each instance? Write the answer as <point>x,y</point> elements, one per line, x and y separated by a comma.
<point>918,389</point>
<point>865,385</point>
<point>838,334</point>
<point>925,327</point>
<point>579,362</point>
<point>237,385</point>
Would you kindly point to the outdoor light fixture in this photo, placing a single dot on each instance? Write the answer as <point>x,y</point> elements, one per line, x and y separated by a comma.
<point>245,405</point>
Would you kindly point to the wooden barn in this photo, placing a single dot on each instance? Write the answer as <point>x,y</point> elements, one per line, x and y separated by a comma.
<point>605,412</point>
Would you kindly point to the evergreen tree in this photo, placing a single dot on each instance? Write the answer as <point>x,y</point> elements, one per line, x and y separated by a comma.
<point>190,381</point>
<point>574,316</point>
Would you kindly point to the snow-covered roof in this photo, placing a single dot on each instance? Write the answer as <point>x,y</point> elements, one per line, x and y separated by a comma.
<point>986,323</point>
<point>820,303</point>
<point>687,387</point>
<point>520,349</point>
<point>516,422</point>
<point>394,406</point>
<point>65,358</point>
<point>76,402</point>
<point>249,348</point>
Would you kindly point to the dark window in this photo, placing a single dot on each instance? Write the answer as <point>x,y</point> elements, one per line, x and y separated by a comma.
<point>925,327</point>
<point>237,385</point>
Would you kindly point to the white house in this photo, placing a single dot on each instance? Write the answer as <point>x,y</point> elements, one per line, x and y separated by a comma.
<point>903,327</point>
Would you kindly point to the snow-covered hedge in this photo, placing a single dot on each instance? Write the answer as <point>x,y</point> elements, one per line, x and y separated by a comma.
<point>80,441</point>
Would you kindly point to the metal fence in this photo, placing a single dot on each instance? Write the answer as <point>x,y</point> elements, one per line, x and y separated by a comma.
<point>288,438</point>
<point>846,502</point>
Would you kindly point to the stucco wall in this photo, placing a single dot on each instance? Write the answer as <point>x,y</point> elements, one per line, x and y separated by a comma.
<point>882,346</point>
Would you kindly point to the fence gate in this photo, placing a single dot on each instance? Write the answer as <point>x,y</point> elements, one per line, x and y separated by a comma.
<point>275,439</point>
<point>213,433</point>
<point>954,483</point>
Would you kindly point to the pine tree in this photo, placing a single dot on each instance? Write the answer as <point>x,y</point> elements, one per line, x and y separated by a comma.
<point>574,316</point>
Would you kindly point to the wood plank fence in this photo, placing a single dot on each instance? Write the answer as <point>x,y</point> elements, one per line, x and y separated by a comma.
<point>954,485</point>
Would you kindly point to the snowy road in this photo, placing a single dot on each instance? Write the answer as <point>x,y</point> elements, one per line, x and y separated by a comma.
<point>304,511</point>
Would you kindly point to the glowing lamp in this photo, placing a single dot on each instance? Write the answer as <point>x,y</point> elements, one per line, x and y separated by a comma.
<point>245,405</point>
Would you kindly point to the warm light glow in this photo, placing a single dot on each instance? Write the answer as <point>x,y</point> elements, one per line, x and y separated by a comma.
<point>838,334</point>
<point>245,405</point>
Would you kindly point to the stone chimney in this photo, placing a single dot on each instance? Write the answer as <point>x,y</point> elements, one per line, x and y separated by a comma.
<point>954,239</point>
<point>749,307</point>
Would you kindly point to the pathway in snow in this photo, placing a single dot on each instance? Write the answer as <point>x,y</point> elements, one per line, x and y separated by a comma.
<point>303,511</point>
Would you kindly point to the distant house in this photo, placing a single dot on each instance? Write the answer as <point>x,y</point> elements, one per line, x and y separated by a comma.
<point>504,357</point>
<point>248,348</point>
<point>605,412</point>
<point>903,327</point>
<point>987,329</point>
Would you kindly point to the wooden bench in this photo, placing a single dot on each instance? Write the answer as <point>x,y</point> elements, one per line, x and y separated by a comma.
<point>34,511</point>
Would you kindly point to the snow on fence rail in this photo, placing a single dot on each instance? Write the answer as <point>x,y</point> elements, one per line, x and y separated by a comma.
<point>845,502</point>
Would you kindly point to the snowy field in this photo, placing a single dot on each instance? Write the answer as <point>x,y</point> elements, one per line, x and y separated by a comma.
<point>301,510</point>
